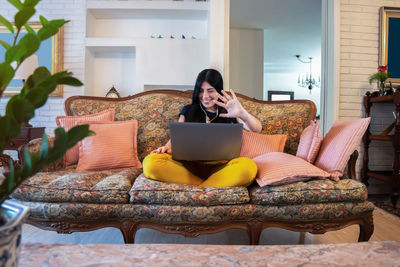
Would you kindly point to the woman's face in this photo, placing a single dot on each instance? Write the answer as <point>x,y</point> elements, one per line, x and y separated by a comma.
<point>207,94</point>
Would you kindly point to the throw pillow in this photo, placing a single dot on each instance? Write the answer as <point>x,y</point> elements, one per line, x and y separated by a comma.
<point>310,142</point>
<point>338,145</point>
<point>68,122</point>
<point>278,168</point>
<point>112,147</point>
<point>255,144</point>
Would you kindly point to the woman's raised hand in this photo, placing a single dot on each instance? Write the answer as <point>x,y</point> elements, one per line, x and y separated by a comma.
<point>231,104</point>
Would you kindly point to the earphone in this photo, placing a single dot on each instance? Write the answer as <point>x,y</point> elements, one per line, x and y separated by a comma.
<point>207,118</point>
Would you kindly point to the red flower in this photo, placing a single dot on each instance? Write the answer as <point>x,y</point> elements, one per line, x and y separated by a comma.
<point>382,68</point>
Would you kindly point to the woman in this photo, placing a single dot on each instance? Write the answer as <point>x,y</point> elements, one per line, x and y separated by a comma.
<point>210,104</point>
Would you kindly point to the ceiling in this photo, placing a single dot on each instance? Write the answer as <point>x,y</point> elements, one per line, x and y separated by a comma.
<point>291,27</point>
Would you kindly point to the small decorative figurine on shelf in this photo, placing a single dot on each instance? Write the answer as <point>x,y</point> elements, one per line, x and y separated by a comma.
<point>193,37</point>
<point>160,36</point>
<point>113,93</point>
<point>153,36</point>
<point>389,90</point>
<point>183,36</point>
<point>380,77</point>
<point>172,37</point>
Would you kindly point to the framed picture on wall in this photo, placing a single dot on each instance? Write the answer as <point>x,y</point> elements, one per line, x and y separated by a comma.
<point>49,54</point>
<point>389,52</point>
<point>280,95</point>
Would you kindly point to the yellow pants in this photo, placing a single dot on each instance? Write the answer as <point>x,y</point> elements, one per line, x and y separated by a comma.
<point>236,172</point>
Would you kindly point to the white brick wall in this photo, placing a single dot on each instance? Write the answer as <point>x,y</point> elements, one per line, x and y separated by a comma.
<point>74,32</point>
<point>359,59</point>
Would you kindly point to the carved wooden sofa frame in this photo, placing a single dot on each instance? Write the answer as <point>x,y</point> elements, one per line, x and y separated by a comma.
<point>254,227</point>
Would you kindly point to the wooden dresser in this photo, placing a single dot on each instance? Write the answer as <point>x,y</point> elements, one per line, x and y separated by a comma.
<point>27,134</point>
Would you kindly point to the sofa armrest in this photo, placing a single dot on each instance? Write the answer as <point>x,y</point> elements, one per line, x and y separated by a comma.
<point>351,166</point>
<point>34,146</point>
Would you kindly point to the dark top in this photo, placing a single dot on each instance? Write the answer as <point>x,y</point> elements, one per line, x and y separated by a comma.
<point>194,113</point>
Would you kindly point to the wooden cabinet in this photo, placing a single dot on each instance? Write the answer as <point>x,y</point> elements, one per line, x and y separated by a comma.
<point>27,134</point>
<point>392,177</point>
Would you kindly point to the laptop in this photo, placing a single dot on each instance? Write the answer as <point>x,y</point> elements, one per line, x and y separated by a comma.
<point>205,141</point>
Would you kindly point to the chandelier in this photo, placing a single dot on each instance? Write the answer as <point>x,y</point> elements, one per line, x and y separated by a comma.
<point>307,80</point>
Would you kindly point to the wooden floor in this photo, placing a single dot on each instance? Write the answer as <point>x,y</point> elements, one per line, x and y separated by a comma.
<point>387,227</point>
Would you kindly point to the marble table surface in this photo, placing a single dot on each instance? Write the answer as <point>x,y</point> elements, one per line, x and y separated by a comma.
<point>380,254</point>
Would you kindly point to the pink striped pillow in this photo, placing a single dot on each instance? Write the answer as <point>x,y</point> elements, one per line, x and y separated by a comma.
<point>112,147</point>
<point>338,145</point>
<point>255,144</point>
<point>281,168</point>
<point>310,142</point>
<point>68,122</point>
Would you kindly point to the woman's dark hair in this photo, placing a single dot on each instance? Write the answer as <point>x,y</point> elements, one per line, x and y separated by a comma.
<point>213,77</point>
<point>195,112</point>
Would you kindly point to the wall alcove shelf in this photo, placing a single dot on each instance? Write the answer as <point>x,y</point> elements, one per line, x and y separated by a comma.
<point>134,44</point>
<point>392,177</point>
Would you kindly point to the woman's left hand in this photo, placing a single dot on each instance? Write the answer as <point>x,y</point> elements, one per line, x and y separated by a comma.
<point>231,104</point>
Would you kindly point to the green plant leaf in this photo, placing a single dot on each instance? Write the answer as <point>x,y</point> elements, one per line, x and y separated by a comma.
<point>16,3</point>
<point>50,29</point>
<point>58,22</point>
<point>15,53</point>
<point>30,43</point>
<point>9,127</point>
<point>23,110</point>
<point>27,161</point>
<point>6,23</point>
<point>11,177</point>
<point>68,80</point>
<point>23,15</point>
<point>39,75</point>
<point>43,20</point>
<point>44,147</point>
<point>29,29</point>
<point>31,3</point>
<point>59,146</point>
<point>38,96</point>
<point>5,44</point>
<point>6,74</point>
<point>77,133</point>
<point>46,32</point>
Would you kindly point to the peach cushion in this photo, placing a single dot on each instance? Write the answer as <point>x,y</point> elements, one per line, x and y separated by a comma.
<point>281,168</point>
<point>310,142</point>
<point>68,122</point>
<point>255,144</point>
<point>112,147</point>
<point>338,145</point>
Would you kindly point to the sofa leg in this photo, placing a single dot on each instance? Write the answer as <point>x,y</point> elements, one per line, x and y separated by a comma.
<point>366,228</point>
<point>254,229</point>
<point>128,230</point>
<point>302,238</point>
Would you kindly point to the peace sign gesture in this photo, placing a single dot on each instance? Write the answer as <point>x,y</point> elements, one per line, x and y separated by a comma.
<point>231,104</point>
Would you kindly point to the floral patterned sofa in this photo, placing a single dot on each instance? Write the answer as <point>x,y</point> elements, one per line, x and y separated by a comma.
<point>67,201</point>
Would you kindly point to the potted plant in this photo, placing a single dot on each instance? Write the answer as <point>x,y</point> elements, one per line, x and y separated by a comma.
<point>380,77</point>
<point>19,110</point>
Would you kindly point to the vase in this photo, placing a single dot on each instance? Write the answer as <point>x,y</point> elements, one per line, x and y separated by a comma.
<point>381,88</point>
<point>12,216</point>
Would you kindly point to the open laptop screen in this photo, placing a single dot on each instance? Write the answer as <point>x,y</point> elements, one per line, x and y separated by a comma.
<point>205,141</point>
